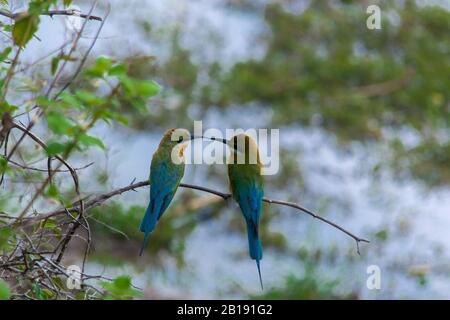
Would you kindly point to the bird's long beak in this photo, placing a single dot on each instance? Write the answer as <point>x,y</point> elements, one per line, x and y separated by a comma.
<point>224,141</point>
<point>193,136</point>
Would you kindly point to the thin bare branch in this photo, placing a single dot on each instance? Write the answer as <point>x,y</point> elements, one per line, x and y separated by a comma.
<point>100,199</point>
<point>51,13</point>
<point>316,216</point>
<point>73,173</point>
<point>25,167</point>
<point>85,56</point>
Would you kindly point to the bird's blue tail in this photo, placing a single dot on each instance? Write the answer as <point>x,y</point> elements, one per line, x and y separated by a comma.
<point>259,272</point>
<point>255,248</point>
<point>254,244</point>
<point>148,224</point>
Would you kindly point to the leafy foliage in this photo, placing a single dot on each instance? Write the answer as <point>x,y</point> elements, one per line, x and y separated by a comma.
<point>4,290</point>
<point>120,289</point>
<point>69,113</point>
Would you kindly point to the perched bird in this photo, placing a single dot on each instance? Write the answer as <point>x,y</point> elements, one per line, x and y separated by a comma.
<point>247,188</point>
<point>166,171</point>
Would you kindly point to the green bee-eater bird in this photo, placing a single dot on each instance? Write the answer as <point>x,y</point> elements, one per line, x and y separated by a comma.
<point>247,188</point>
<point>166,171</point>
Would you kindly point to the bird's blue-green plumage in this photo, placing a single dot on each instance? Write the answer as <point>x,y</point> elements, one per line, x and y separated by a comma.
<point>165,177</point>
<point>247,187</point>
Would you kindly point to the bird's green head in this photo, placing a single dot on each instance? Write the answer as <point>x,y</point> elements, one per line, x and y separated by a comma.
<point>175,142</point>
<point>244,149</point>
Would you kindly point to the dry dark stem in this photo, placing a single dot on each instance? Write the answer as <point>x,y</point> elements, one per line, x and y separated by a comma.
<point>37,61</point>
<point>72,171</point>
<point>26,167</point>
<point>43,145</point>
<point>9,75</point>
<point>72,50</point>
<point>85,56</point>
<point>51,13</point>
<point>66,240</point>
<point>316,216</point>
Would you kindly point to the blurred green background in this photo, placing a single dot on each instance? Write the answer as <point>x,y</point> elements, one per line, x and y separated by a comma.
<point>364,119</point>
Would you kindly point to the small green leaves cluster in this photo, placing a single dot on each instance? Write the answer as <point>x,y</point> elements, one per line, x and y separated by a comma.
<point>120,289</point>
<point>26,25</point>
<point>74,113</point>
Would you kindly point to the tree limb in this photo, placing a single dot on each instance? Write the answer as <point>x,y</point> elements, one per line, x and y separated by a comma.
<point>51,13</point>
<point>100,199</point>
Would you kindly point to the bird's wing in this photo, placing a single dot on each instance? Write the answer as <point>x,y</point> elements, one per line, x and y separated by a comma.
<point>250,201</point>
<point>163,185</point>
<point>166,201</point>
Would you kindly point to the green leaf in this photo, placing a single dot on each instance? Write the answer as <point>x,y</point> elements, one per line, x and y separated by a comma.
<point>116,116</point>
<point>89,98</point>
<point>144,88</point>
<point>5,234</point>
<point>128,85</point>
<point>52,191</point>
<point>54,64</point>
<point>100,67</point>
<point>3,164</point>
<point>5,293</point>
<point>8,27</point>
<point>71,100</point>
<point>55,148</point>
<point>38,292</point>
<point>88,140</point>
<point>43,101</point>
<point>49,224</point>
<point>382,235</point>
<point>24,29</point>
<point>122,282</point>
<point>103,62</point>
<point>58,123</point>
<point>147,88</point>
<point>38,6</point>
<point>117,69</point>
<point>120,288</point>
<point>4,54</point>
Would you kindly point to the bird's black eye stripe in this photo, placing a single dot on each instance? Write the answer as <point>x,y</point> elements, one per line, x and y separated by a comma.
<point>180,139</point>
